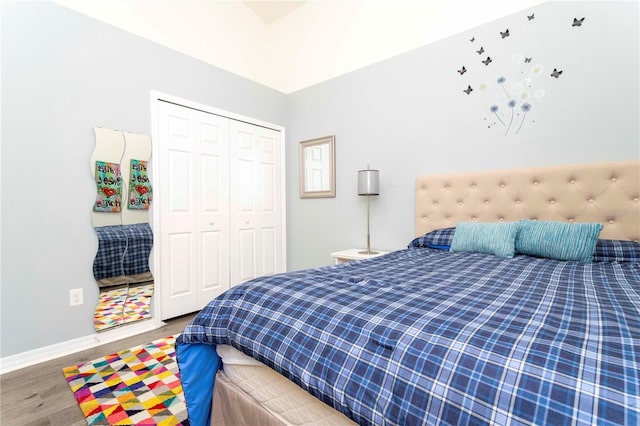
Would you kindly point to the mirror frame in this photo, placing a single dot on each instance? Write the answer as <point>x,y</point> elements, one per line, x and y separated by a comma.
<point>331,192</point>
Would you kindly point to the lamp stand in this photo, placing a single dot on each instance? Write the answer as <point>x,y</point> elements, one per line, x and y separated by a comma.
<point>368,251</point>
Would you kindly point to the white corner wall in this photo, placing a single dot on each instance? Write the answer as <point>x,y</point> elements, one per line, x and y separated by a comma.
<point>227,34</point>
<point>315,42</point>
<point>324,39</point>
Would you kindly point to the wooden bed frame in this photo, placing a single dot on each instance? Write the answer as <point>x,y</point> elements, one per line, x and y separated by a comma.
<point>608,193</point>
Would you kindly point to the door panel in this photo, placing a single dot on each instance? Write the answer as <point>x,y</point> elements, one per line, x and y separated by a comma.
<point>245,186</point>
<point>247,250</point>
<point>179,263</point>
<point>269,190</point>
<point>210,184</point>
<point>211,248</point>
<point>194,224</point>
<point>178,126</point>
<point>269,258</point>
<point>256,203</point>
<point>179,182</point>
<point>213,217</point>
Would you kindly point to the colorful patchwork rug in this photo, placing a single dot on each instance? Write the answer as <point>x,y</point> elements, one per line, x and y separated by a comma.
<point>137,386</point>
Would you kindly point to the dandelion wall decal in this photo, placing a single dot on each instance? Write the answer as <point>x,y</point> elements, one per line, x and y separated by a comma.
<point>522,78</point>
<point>512,105</point>
<point>526,107</point>
<point>494,110</point>
<point>501,81</point>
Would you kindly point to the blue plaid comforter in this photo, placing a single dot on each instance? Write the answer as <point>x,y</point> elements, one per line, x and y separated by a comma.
<point>424,336</point>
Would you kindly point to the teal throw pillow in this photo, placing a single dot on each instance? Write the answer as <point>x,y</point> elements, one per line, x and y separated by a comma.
<point>558,240</point>
<point>490,238</point>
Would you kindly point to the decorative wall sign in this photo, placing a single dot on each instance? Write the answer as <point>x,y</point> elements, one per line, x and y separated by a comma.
<point>109,186</point>
<point>139,186</point>
<point>512,93</point>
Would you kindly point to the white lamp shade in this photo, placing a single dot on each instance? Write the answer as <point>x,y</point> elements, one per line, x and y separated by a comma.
<point>368,182</point>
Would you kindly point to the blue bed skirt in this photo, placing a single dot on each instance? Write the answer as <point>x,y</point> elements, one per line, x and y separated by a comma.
<point>198,366</point>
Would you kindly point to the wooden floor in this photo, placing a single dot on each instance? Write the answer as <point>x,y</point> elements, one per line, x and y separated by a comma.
<point>39,395</point>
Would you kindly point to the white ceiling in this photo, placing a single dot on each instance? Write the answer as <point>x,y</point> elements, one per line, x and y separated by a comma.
<point>290,45</point>
<point>271,11</point>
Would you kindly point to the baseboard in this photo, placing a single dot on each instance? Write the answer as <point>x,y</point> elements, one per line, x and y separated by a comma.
<point>47,353</point>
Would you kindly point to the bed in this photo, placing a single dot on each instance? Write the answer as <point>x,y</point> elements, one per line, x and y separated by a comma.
<point>517,302</point>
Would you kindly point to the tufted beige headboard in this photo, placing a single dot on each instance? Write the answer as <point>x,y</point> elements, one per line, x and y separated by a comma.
<point>608,193</point>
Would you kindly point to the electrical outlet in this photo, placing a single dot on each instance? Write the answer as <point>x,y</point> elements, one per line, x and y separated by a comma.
<point>75,297</point>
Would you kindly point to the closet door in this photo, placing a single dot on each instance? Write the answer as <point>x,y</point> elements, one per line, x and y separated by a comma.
<point>256,202</point>
<point>193,235</point>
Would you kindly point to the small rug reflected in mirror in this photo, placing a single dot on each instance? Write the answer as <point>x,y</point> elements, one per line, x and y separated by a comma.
<point>137,386</point>
<point>123,304</point>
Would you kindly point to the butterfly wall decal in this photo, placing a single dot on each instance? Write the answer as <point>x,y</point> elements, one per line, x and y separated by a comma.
<point>462,70</point>
<point>472,39</point>
<point>468,90</point>
<point>527,60</point>
<point>577,22</point>
<point>487,61</point>
<point>481,51</point>
<point>556,73</point>
<point>530,17</point>
<point>505,33</point>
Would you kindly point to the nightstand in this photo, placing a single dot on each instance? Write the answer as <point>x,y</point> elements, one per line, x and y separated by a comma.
<point>344,256</point>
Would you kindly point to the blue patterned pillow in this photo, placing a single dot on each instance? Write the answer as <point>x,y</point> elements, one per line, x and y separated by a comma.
<point>490,238</point>
<point>437,239</point>
<point>558,240</point>
<point>617,251</point>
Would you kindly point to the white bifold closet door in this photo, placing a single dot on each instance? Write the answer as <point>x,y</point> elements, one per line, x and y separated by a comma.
<point>256,200</point>
<point>220,206</point>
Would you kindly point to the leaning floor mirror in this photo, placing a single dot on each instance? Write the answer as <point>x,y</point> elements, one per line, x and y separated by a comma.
<point>317,168</point>
<point>120,217</point>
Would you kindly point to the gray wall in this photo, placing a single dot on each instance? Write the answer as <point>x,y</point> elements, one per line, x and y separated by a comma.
<point>63,74</point>
<point>409,116</point>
